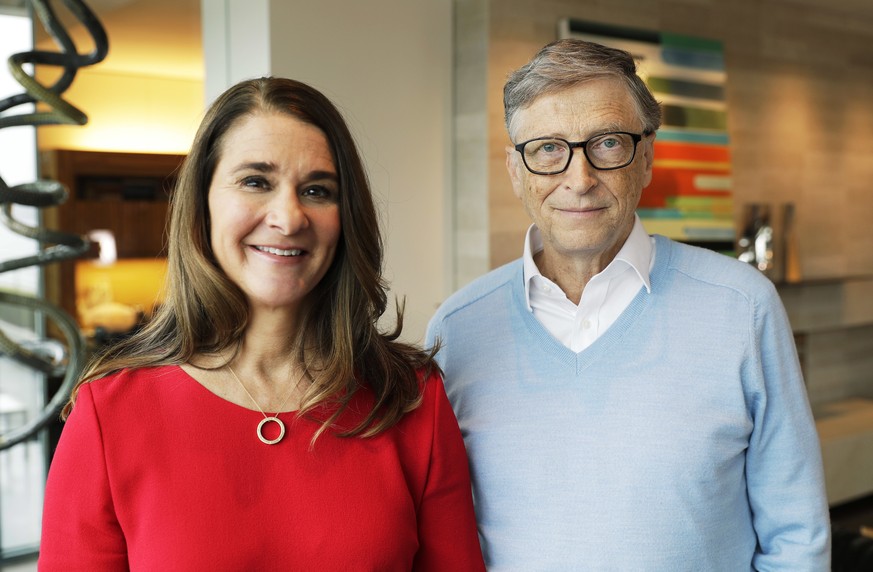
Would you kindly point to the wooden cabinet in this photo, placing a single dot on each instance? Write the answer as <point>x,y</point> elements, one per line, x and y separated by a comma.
<point>126,193</point>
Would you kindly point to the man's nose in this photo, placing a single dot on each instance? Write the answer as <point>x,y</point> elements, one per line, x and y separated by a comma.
<point>580,174</point>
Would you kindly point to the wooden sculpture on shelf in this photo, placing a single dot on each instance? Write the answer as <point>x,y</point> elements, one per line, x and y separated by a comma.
<point>41,194</point>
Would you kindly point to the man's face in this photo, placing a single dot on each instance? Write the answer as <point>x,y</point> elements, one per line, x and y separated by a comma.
<point>584,215</point>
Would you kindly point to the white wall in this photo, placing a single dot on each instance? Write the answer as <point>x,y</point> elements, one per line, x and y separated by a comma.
<point>236,42</point>
<point>387,66</point>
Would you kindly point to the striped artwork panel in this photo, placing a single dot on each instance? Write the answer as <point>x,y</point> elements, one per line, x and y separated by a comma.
<point>690,196</point>
<point>686,88</point>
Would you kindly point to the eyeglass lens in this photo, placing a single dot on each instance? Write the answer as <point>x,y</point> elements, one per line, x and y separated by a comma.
<point>607,151</point>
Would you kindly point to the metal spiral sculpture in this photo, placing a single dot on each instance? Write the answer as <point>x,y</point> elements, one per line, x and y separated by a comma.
<point>41,194</point>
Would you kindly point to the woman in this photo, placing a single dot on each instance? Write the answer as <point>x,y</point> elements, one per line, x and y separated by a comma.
<point>260,421</point>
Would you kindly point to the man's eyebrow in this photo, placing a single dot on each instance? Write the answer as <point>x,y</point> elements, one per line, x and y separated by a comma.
<point>614,126</point>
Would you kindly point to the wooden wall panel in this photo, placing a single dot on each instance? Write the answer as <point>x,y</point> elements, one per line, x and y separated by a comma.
<point>800,100</point>
<point>138,226</point>
<point>800,94</point>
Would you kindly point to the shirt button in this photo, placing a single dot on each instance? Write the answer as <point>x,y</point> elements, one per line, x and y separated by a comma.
<point>586,324</point>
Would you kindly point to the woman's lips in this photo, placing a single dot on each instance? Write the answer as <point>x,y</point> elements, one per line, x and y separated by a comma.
<point>279,251</point>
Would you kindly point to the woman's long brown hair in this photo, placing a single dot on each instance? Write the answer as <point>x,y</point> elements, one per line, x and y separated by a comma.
<point>205,313</point>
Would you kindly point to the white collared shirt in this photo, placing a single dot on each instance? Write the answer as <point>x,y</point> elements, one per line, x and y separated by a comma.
<point>604,298</point>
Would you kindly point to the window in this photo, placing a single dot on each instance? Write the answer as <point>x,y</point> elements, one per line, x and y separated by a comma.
<point>22,390</point>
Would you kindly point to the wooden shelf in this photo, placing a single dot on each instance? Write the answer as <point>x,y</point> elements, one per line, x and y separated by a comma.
<point>126,193</point>
<point>824,281</point>
<point>829,305</point>
<point>845,430</point>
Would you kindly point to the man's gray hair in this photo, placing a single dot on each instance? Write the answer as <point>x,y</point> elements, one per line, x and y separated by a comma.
<point>567,63</point>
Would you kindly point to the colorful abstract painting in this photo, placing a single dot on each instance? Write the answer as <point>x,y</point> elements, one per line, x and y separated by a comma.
<point>690,196</point>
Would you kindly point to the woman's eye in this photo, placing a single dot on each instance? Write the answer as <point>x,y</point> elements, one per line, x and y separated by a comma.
<point>318,192</point>
<point>255,182</point>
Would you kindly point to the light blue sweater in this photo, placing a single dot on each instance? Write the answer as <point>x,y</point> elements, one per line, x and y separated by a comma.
<point>681,439</point>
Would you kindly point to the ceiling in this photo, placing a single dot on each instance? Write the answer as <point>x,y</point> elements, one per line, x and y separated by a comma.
<point>146,37</point>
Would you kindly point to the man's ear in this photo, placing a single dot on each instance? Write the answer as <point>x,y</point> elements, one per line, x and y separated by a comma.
<point>648,145</point>
<point>513,164</point>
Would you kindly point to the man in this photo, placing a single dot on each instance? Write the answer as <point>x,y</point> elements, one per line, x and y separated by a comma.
<point>627,402</point>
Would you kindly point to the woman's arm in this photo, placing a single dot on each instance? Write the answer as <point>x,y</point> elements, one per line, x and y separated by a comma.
<point>80,531</point>
<point>446,521</point>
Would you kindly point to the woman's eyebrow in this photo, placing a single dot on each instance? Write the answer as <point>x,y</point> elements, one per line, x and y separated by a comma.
<point>319,175</point>
<point>259,166</point>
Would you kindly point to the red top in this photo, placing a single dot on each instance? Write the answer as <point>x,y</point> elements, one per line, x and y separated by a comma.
<point>155,472</point>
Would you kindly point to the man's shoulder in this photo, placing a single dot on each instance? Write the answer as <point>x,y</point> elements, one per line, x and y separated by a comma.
<point>480,289</point>
<point>708,266</point>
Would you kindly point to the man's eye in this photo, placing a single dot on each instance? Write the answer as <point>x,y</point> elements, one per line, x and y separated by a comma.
<point>548,148</point>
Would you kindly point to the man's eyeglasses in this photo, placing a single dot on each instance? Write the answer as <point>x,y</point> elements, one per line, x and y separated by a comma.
<point>605,152</point>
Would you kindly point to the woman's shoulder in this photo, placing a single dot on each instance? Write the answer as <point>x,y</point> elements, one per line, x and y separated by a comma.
<point>131,380</point>
<point>433,402</point>
<point>431,430</point>
<point>431,380</point>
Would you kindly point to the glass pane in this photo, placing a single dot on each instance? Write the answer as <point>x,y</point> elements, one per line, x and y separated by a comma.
<point>22,467</point>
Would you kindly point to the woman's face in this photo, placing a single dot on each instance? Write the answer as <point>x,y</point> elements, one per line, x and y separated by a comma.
<point>274,209</point>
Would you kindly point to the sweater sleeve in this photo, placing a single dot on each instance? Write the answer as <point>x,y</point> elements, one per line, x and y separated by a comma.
<point>80,531</point>
<point>783,461</point>
<point>446,521</point>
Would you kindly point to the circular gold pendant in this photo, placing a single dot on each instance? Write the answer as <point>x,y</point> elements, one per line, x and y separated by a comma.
<point>278,422</point>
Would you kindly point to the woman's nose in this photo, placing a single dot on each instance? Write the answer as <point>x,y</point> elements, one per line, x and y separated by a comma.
<point>286,213</point>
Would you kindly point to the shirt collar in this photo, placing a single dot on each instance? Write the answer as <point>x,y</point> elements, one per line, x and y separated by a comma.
<point>637,252</point>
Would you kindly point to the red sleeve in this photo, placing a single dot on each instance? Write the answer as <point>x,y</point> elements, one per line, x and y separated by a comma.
<point>79,529</point>
<point>446,521</point>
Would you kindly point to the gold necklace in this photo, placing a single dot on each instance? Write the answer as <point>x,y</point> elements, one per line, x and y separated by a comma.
<point>267,419</point>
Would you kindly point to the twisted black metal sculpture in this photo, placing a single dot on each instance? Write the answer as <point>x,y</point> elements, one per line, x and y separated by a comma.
<point>42,194</point>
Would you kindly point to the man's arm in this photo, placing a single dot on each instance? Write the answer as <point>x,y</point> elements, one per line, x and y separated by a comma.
<point>783,462</point>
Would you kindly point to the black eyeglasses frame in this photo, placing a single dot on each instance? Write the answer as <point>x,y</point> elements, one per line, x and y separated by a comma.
<point>636,137</point>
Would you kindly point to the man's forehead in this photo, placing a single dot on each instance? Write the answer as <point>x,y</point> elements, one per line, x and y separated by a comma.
<point>597,105</point>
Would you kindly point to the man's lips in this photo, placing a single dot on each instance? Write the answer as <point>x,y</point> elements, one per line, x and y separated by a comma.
<point>579,210</point>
